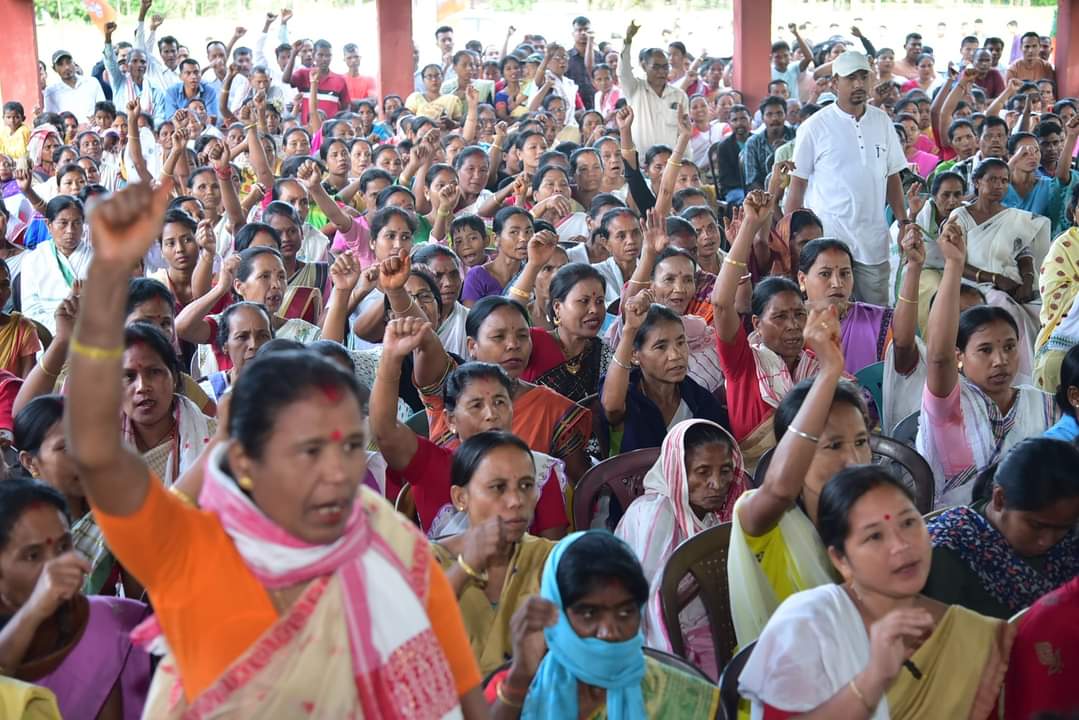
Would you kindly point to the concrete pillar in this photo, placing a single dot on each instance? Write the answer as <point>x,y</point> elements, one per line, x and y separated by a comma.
<point>18,72</point>
<point>394,44</point>
<point>752,47</point>
<point>1067,50</point>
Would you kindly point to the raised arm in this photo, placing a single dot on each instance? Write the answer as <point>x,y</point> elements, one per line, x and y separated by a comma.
<point>202,279</point>
<point>1064,164</point>
<point>942,109</point>
<point>655,241</point>
<point>472,103</point>
<point>665,194</point>
<point>116,76</point>
<point>943,373</point>
<point>540,249</point>
<point>396,441</point>
<point>254,124</point>
<point>42,378</point>
<point>348,283</point>
<point>905,319</point>
<point>784,479</point>
<point>626,62</point>
<point>311,177</point>
<point>123,228</point>
<point>757,211</point>
<point>1001,100</point>
<point>807,52</point>
<point>616,385</point>
<point>219,157</point>
<point>191,323</point>
<point>134,142</point>
<point>286,72</point>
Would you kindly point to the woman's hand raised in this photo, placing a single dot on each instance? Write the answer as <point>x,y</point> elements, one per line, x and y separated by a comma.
<point>124,226</point>
<point>822,336</point>
<point>893,639</point>
<point>634,311</point>
<point>393,271</point>
<point>529,646</point>
<point>402,336</point>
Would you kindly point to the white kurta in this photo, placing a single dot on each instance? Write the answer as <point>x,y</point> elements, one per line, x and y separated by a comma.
<point>43,284</point>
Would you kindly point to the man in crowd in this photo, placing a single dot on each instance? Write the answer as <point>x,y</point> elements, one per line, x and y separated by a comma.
<point>332,89</point>
<point>163,68</point>
<point>191,88</point>
<point>988,78</point>
<point>134,84</point>
<point>732,179</point>
<point>72,92</point>
<point>847,160</point>
<point>359,86</point>
<point>656,103</point>
<point>907,66</point>
<point>582,57</point>
<point>760,149</point>
<point>1031,66</point>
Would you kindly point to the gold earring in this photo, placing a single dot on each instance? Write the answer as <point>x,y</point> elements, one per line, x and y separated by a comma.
<point>960,368</point>
<point>245,482</point>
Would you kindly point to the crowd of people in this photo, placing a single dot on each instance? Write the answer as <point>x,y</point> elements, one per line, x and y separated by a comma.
<point>338,361</point>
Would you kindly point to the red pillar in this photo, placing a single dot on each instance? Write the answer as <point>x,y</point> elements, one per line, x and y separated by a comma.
<point>752,47</point>
<point>394,46</point>
<point>1067,50</point>
<point>18,71</point>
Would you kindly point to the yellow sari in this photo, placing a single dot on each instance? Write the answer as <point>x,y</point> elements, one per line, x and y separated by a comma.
<point>1059,285</point>
<point>18,337</point>
<point>487,625</point>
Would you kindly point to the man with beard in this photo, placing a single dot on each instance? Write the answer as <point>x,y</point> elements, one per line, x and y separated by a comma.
<point>732,182</point>
<point>992,143</point>
<point>847,162</point>
<point>761,148</point>
<point>72,93</point>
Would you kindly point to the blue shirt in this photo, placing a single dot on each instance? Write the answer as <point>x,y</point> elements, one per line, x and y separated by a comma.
<point>1043,195</point>
<point>175,99</point>
<point>1066,429</point>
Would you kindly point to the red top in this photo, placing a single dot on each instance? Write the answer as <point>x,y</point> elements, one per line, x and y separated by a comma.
<point>361,86</point>
<point>745,406</point>
<point>429,475</point>
<point>333,95</point>
<point>9,388</point>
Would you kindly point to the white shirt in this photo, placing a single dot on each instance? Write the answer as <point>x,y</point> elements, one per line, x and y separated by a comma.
<point>158,73</point>
<point>564,88</point>
<point>79,100</point>
<point>43,285</point>
<point>655,117</point>
<point>847,163</point>
<point>612,274</point>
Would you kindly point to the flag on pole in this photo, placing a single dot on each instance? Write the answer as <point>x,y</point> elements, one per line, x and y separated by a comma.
<point>101,13</point>
<point>445,8</point>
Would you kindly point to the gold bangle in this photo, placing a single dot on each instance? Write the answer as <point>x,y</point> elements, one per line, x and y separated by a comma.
<point>736,263</point>
<point>804,435</point>
<point>251,126</point>
<point>505,700</point>
<point>184,497</point>
<point>619,363</point>
<point>50,374</point>
<point>516,292</point>
<point>480,578</point>
<point>858,694</point>
<point>92,352</point>
<point>907,300</point>
<point>631,281</point>
<point>399,313</point>
<point>444,213</point>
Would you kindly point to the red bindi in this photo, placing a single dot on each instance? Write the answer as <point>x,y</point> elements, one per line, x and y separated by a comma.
<point>333,393</point>
<point>336,435</point>
<point>887,516</point>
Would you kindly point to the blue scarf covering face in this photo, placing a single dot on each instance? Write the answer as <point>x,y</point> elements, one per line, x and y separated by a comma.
<point>616,667</point>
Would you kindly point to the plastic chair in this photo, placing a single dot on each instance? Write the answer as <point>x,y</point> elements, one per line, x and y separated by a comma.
<point>728,682</point>
<point>871,377</point>
<point>930,515</point>
<point>678,663</point>
<point>703,556</point>
<point>406,504</point>
<point>906,430</point>
<point>762,467</point>
<point>622,476</point>
<point>418,423</point>
<point>599,445</point>
<point>908,466</point>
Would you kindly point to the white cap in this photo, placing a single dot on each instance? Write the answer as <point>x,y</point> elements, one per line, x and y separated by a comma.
<point>849,63</point>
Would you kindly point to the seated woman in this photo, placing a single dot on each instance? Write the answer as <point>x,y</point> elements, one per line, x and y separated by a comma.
<point>51,633</point>
<point>1067,399</point>
<point>860,649</point>
<point>692,486</point>
<point>1005,247</point>
<point>513,230</point>
<point>39,438</point>
<point>495,565</point>
<point>553,199</point>
<point>47,277</point>
<point>243,328</point>
<point>189,252</point>
<point>647,389</point>
<point>1059,288</point>
<point>577,646</point>
<point>571,358</point>
<point>292,535</point>
<point>1017,541</point>
<point>445,266</point>
<point>308,282</point>
<point>622,229</point>
<point>971,412</point>
<point>256,275</point>
<point>168,430</point>
<point>780,255</point>
<point>19,343</point>
<point>1038,682</point>
<point>759,369</point>
<point>826,275</point>
<point>476,398</point>
<point>498,332</point>
<point>820,428</point>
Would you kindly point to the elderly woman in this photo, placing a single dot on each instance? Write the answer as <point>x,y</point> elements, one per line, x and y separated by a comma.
<point>48,276</point>
<point>692,486</point>
<point>51,634</point>
<point>858,649</point>
<point>494,565</point>
<point>577,647</point>
<point>972,409</point>
<point>1017,541</point>
<point>476,398</point>
<point>445,266</point>
<point>292,534</point>
<point>308,282</point>
<point>243,328</point>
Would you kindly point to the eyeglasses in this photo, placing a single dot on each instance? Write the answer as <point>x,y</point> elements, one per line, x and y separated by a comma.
<point>423,297</point>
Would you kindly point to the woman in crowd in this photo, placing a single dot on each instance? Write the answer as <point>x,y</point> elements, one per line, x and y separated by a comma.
<point>19,343</point>
<point>494,566</point>
<point>308,282</point>
<point>1059,287</point>
<point>571,357</point>
<point>622,229</point>
<point>820,428</point>
<point>513,230</point>
<point>946,193</point>
<point>445,266</point>
<point>242,329</point>
<point>761,368</point>
<point>476,398</point>
<point>1005,246</point>
<point>430,102</point>
<point>1017,541</point>
<point>826,276</point>
<point>647,389</point>
<point>691,487</point>
<point>1067,399</point>
<point>577,646</point>
<point>785,242</point>
<point>188,249</point>
<point>972,413</point>
<point>291,468</point>
<point>498,332</point>
<point>51,633</point>
<point>552,197</point>
<point>861,649</point>
<point>39,438</point>
<point>168,430</point>
<point>48,276</point>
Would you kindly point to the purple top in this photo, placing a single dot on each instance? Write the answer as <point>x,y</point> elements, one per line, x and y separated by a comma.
<point>83,681</point>
<point>479,284</point>
<point>864,331</point>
